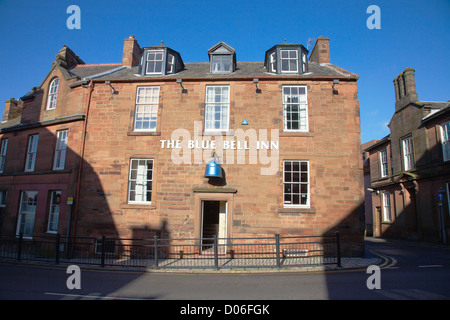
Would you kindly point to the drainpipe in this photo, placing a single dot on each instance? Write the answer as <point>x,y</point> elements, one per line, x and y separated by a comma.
<point>83,142</point>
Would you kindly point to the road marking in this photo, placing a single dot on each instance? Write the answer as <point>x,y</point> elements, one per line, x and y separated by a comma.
<point>389,262</point>
<point>431,266</point>
<point>89,296</point>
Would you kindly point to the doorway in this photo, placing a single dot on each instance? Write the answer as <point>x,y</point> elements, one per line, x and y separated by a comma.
<point>214,223</point>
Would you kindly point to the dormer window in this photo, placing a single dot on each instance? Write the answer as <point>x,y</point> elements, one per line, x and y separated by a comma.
<point>154,62</point>
<point>304,62</point>
<point>289,61</point>
<point>170,63</point>
<point>221,63</point>
<point>273,62</point>
<point>287,58</point>
<point>160,60</point>
<point>222,58</point>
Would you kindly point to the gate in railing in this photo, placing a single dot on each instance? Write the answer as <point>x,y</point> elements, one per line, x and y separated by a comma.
<point>203,253</point>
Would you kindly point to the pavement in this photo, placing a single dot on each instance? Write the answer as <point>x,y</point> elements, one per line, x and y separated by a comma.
<point>370,258</point>
<point>347,264</point>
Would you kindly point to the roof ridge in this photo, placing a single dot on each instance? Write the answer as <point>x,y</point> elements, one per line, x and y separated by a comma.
<point>96,65</point>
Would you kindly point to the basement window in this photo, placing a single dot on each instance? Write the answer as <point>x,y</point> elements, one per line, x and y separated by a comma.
<point>109,247</point>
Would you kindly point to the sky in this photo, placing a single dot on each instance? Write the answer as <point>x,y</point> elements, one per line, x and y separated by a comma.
<point>412,33</point>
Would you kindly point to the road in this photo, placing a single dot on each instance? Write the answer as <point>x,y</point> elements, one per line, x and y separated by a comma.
<point>415,271</point>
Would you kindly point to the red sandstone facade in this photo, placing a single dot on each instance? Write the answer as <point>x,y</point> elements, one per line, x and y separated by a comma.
<point>41,147</point>
<point>285,131</point>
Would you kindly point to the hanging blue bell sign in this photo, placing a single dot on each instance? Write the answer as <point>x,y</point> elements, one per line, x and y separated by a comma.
<point>213,169</point>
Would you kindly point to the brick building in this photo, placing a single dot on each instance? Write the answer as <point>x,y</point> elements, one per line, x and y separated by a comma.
<point>409,168</point>
<point>285,132</point>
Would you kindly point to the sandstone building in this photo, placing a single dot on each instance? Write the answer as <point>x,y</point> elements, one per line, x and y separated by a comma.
<point>137,137</point>
<point>410,170</point>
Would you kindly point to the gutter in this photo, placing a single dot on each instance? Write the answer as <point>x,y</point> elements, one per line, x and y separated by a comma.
<point>85,81</point>
<point>37,124</point>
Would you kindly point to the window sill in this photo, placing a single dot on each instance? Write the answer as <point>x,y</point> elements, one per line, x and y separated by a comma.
<point>295,211</point>
<point>214,190</point>
<point>143,133</point>
<point>218,132</point>
<point>296,134</point>
<point>138,206</point>
<point>37,172</point>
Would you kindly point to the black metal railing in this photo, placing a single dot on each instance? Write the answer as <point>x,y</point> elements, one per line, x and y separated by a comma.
<point>155,253</point>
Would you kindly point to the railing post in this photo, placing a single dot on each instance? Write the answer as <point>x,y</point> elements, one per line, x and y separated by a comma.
<point>156,252</point>
<point>216,253</point>
<point>19,249</point>
<point>102,263</point>
<point>338,248</point>
<point>277,245</point>
<point>229,244</point>
<point>57,244</point>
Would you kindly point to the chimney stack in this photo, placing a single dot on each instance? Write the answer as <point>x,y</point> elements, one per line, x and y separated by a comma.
<point>405,89</point>
<point>131,52</point>
<point>13,109</point>
<point>321,51</point>
<point>66,58</point>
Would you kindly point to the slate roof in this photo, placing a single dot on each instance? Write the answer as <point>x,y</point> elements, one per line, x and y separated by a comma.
<point>243,70</point>
<point>198,70</point>
<point>437,109</point>
<point>13,122</point>
<point>378,143</point>
<point>85,71</point>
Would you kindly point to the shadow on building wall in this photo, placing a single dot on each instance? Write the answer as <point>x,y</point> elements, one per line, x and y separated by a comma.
<point>415,210</point>
<point>351,232</point>
<point>93,220</point>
